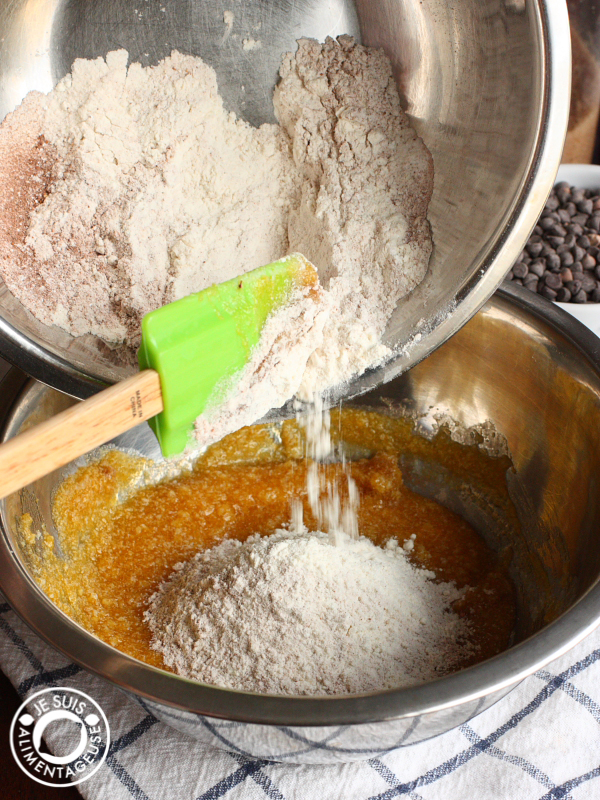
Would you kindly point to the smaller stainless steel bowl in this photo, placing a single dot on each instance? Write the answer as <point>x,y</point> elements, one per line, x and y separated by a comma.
<point>520,364</point>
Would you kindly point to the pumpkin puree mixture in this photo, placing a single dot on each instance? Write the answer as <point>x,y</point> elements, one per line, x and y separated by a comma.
<point>116,543</point>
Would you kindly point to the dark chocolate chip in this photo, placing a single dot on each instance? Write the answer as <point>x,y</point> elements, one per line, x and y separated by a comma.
<point>546,214</point>
<point>563,295</point>
<point>588,261</point>
<point>535,248</point>
<point>566,258</point>
<point>588,284</point>
<point>552,280</point>
<point>585,206</point>
<point>581,219</point>
<point>564,215</point>
<point>520,270</point>
<point>594,222</point>
<point>537,267</point>
<point>547,292</point>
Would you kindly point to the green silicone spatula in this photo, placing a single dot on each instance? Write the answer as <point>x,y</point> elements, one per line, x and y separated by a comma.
<point>190,349</point>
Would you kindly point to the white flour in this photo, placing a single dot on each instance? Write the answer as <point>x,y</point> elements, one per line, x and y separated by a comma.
<point>367,180</point>
<point>160,193</point>
<point>291,614</point>
<point>155,191</point>
<point>335,512</point>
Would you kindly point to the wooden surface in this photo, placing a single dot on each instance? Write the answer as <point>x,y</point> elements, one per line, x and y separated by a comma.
<point>15,784</point>
<point>79,429</point>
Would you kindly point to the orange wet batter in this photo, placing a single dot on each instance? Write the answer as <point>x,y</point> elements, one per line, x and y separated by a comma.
<point>115,552</point>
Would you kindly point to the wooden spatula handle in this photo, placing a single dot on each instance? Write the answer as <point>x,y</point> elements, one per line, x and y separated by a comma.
<point>79,429</point>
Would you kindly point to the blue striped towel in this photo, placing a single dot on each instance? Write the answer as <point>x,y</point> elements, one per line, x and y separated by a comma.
<point>540,742</point>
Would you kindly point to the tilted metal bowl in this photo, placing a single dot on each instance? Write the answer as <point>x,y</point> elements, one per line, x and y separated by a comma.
<point>522,365</point>
<point>486,83</point>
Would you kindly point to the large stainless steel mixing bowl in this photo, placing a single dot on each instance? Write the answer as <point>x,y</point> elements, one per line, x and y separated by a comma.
<point>485,81</point>
<point>521,363</point>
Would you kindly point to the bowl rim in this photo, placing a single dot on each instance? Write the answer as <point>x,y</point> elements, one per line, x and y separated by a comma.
<point>499,673</point>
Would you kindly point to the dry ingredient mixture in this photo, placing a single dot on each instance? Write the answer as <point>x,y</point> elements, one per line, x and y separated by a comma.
<point>417,596</point>
<point>129,187</point>
<point>238,615</point>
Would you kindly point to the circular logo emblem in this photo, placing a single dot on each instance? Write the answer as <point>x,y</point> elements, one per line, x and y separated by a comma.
<point>76,723</point>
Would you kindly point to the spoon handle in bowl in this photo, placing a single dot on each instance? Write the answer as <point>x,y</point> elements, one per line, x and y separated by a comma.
<point>190,350</point>
<point>74,432</point>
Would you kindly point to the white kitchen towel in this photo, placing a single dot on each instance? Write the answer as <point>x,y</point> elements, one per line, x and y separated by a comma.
<point>540,742</point>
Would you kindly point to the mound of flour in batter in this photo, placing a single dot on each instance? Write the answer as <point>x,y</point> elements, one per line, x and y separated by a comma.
<point>130,187</point>
<point>292,614</point>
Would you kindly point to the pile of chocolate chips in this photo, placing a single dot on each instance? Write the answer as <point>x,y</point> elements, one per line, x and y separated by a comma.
<point>561,260</point>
